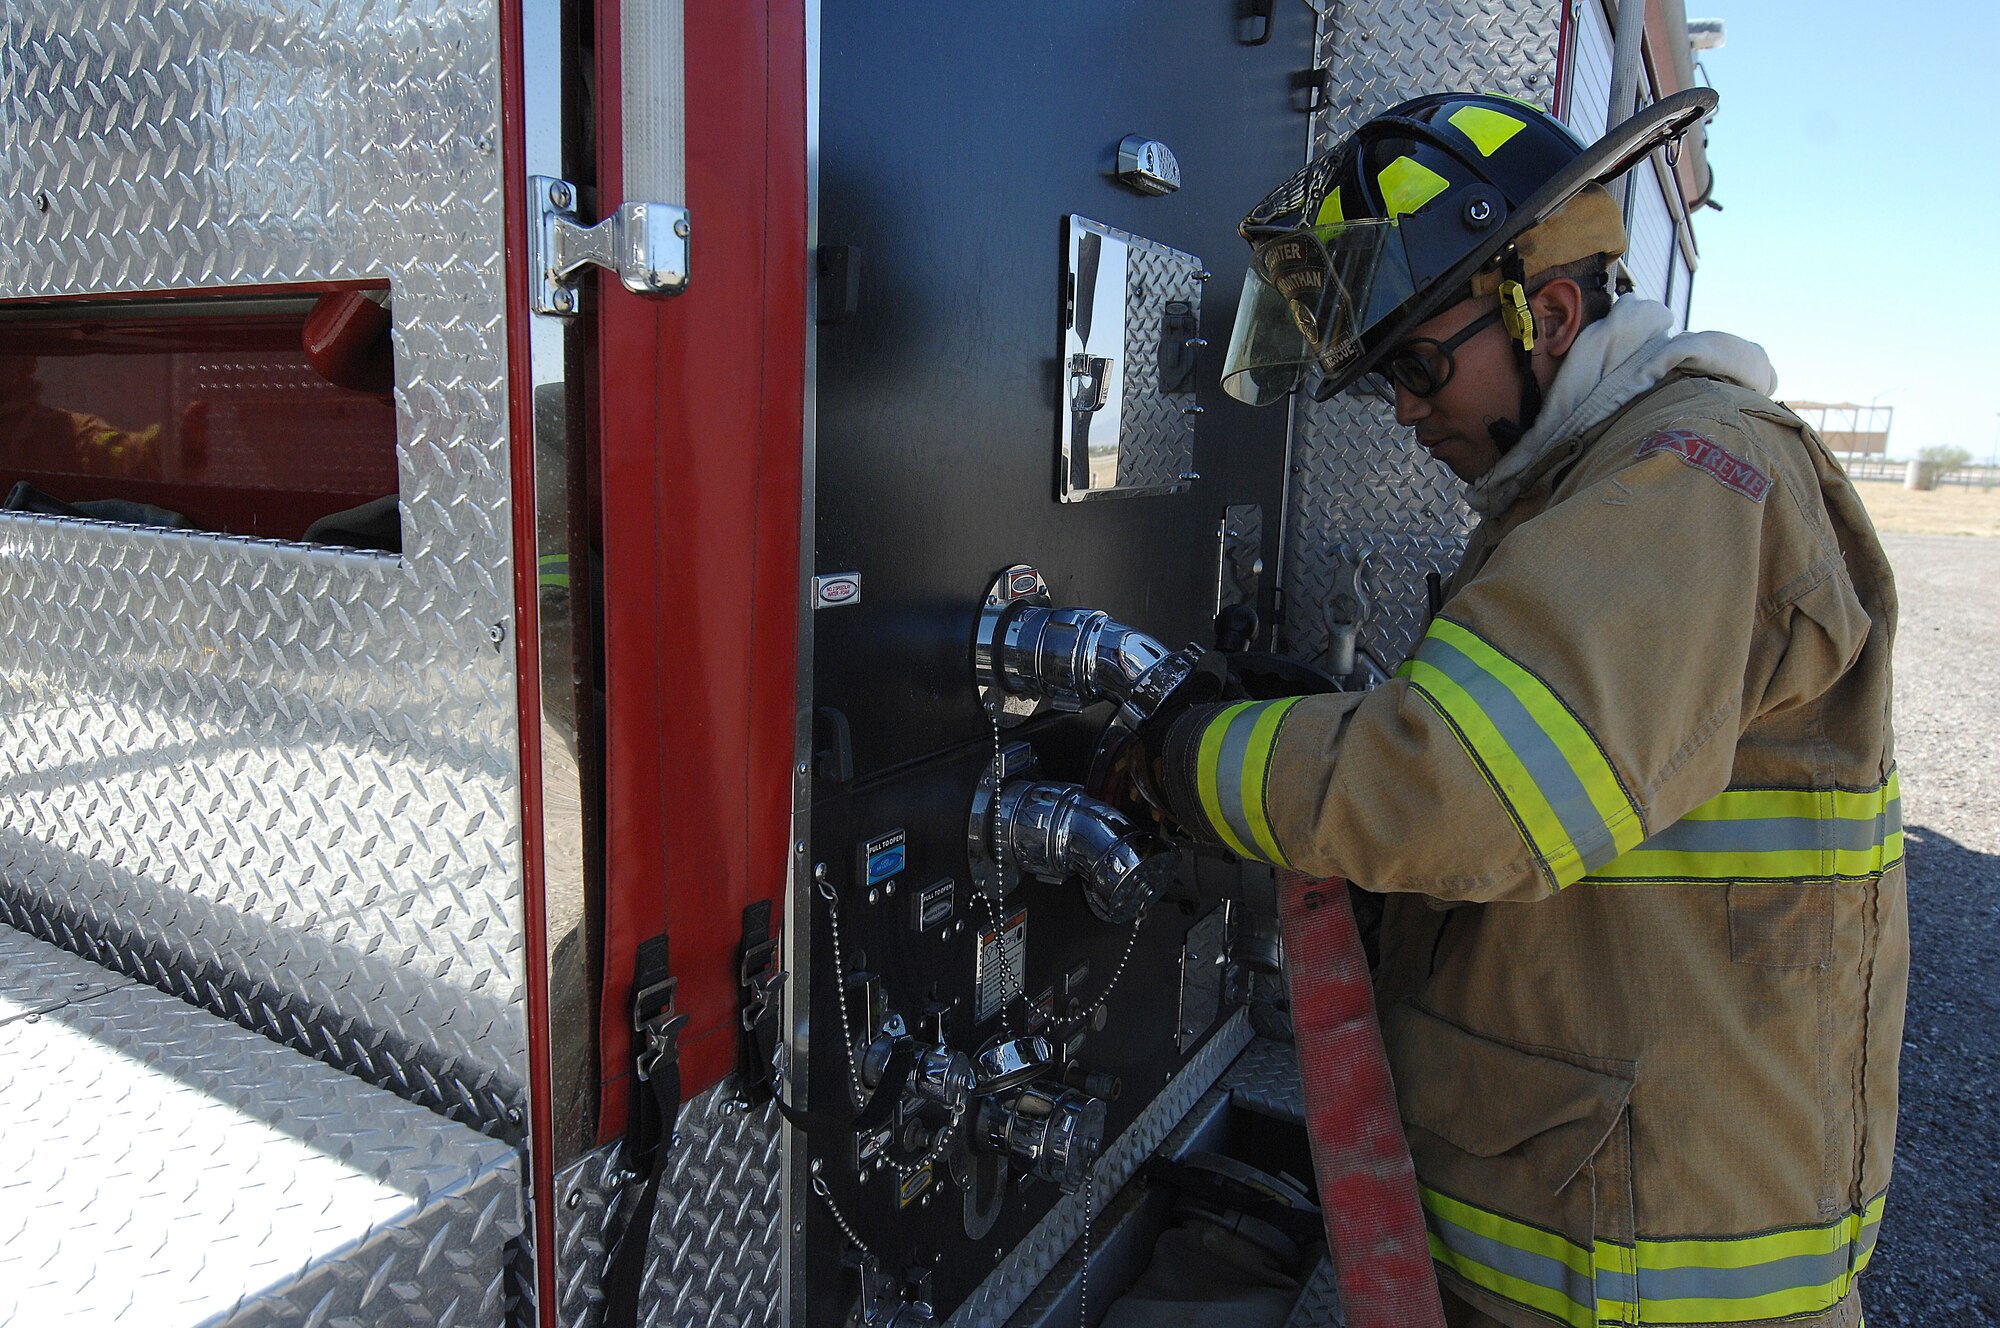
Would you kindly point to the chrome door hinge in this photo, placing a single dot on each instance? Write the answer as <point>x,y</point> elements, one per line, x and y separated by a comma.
<point>646,244</point>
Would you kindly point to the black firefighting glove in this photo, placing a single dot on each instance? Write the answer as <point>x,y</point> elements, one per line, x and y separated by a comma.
<point>1134,761</point>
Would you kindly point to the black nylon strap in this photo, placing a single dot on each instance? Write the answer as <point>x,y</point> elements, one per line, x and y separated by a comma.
<point>1509,432</point>
<point>760,978</point>
<point>649,1127</point>
<point>880,1106</point>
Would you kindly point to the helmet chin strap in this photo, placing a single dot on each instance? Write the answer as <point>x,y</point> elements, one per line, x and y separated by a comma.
<point>1519,320</point>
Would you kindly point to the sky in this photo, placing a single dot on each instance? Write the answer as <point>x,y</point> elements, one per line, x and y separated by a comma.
<point>1857,160</point>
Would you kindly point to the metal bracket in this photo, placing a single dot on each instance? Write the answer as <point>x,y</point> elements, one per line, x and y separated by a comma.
<point>1349,605</point>
<point>646,244</point>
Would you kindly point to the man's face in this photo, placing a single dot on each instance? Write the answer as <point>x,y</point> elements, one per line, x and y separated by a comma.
<point>1485,386</point>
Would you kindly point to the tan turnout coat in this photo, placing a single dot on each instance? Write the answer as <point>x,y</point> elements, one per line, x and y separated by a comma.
<point>1633,800</point>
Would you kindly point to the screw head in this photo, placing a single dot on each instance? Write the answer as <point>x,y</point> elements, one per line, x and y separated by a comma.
<point>681,227</point>
<point>496,633</point>
<point>874,896</point>
<point>565,300</point>
<point>560,194</point>
<point>41,200</point>
<point>575,1199</point>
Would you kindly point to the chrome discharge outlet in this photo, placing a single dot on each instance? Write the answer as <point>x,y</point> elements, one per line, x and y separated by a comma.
<point>1027,656</point>
<point>938,1074</point>
<point>1055,1134</point>
<point>1057,831</point>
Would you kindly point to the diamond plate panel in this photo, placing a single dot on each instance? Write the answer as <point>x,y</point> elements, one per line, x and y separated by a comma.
<point>167,1167</point>
<point>279,780</point>
<point>1356,476</point>
<point>1265,1079</point>
<point>1014,1279</point>
<point>717,1251</point>
<point>1319,1302</point>
<point>36,977</point>
<point>1156,444</point>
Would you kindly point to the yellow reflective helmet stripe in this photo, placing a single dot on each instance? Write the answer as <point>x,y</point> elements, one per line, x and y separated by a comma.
<point>1331,212</point>
<point>1488,129</point>
<point>1777,1274</point>
<point>1407,184</point>
<point>1546,767</point>
<point>1232,767</point>
<point>1773,835</point>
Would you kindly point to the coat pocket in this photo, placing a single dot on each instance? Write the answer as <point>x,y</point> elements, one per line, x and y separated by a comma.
<point>1524,1160</point>
<point>1781,924</point>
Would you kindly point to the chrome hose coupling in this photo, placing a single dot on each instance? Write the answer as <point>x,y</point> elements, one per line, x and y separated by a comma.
<point>1055,832</point>
<point>1028,656</point>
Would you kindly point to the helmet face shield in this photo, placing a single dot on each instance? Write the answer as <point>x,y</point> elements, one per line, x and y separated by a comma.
<point>1268,355</point>
<point>1309,297</point>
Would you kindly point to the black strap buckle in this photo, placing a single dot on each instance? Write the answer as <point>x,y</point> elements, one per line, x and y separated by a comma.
<point>761,979</point>
<point>654,1020</point>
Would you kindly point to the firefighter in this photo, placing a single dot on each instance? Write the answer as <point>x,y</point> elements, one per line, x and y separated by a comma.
<point>41,438</point>
<point>1632,801</point>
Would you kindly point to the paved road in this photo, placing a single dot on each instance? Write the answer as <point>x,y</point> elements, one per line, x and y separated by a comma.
<point>1938,1262</point>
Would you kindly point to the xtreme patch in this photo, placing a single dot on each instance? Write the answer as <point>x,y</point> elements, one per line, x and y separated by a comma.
<point>1697,451</point>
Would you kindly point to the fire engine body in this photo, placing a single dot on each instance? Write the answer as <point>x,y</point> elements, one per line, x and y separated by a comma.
<point>755,369</point>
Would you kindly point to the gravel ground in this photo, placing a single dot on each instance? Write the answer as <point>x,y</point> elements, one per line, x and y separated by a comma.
<point>1937,1263</point>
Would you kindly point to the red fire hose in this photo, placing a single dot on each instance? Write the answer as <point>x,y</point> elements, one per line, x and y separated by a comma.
<point>1367,1186</point>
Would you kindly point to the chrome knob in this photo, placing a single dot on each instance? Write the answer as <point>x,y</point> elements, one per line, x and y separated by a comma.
<point>1012,1062</point>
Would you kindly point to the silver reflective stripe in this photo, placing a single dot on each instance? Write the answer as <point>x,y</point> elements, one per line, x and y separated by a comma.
<point>1801,834</point>
<point>1617,1288</point>
<point>1525,1265</point>
<point>1537,752</point>
<point>1797,1273</point>
<point>1229,774</point>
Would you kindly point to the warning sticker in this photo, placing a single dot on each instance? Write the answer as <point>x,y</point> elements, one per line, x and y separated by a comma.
<point>1001,965</point>
<point>1732,470</point>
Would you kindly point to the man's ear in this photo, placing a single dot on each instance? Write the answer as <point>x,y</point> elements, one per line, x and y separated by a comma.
<point>1558,310</point>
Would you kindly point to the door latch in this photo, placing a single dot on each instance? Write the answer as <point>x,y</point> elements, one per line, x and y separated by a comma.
<point>646,244</point>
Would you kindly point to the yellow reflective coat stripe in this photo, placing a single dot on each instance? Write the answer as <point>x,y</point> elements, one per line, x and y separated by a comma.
<point>1546,767</point>
<point>1773,835</point>
<point>1776,1274</point>
<point>1524,1264</point>
<point>1407,184</point>
<point>1233,765</point>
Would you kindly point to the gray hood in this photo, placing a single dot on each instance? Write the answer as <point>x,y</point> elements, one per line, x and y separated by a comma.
<point>1620,356</point>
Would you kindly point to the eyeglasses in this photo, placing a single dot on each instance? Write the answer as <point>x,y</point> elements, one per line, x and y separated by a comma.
<point>1421,366</point>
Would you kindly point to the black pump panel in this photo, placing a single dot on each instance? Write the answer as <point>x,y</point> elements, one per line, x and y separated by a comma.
<point>954,141</point>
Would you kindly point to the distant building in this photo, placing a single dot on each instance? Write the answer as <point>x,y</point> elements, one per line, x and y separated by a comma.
<point>1849,430</point>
